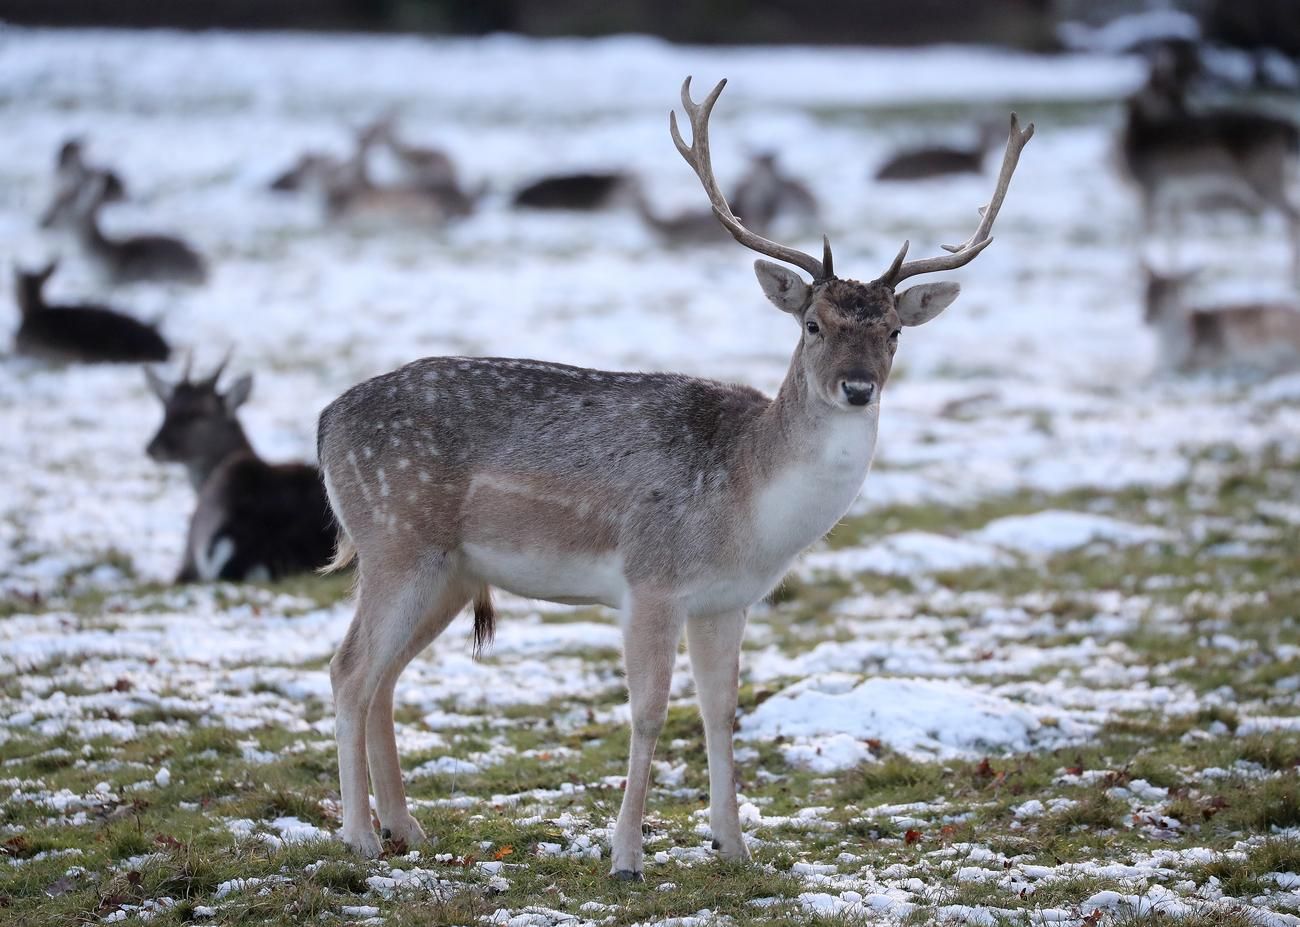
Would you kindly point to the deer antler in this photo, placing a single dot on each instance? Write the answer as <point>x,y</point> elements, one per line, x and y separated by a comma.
<point>964,253</point>
<point>210,381</point>
<point>697,156</point>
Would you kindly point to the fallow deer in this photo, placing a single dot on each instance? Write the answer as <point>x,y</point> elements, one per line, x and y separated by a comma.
<point>135,258</point>
<point>1260,338</point>
<point>253,520</point>
<point>1234,157</point>
<point>348,193</point>
<point>766,194</point>
<point>71,175</point>
<point>429,168</point>
<point>679,501</point>
<point>79,332</point>
<point>305,172</point>
<point>928,162</point>
<point>584,190</point>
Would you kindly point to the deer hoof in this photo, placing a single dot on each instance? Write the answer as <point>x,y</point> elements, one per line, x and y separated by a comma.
<point>408,832</point>
<point>627,875</point>
<point>364,844</point>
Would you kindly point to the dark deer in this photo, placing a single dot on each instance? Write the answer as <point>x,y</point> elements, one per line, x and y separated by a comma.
<point>678,500</point>
<point>1229,157</point>
<point>928,162</point>
<point>579,191</point>
<point>254,521</point>
<point>79,332</point>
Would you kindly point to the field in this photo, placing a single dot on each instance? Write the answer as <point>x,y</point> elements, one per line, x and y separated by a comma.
<point>1047,670</point>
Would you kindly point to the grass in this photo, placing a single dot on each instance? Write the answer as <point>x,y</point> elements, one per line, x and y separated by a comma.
<point>1219,629</point>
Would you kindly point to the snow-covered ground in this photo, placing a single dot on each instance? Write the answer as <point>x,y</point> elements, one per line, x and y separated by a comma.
<point>1038,380</point>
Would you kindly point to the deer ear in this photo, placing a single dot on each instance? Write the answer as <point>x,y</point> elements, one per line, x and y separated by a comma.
<point>238,393</point>
<point>919,304</point>
<point>157,385</point>
<point>783,286</point>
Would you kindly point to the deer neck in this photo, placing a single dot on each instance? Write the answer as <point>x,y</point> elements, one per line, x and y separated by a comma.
<point>202,465</point>
<point>91,236</point>
<point>811,460</point>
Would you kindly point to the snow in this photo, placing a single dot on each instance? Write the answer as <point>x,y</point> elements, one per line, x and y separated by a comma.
<point>906,553</point>
<point>1053,531</point>
<point>918,717</point>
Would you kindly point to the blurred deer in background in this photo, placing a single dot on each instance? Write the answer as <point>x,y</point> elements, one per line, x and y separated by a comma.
<point>79,332</point>
<point>254,520</point>
<point>1246,337</point>
<point>135,258</point>
<point>349,193</point>
<point>766,194</point>
<point>71,175</point>
<point>928,162</point>
<point>1230,157</point>
<point>583,190</point>
<point>679,501</point>
<point>428,168</point>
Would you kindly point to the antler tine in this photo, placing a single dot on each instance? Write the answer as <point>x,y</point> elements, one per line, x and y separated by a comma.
<point>212,378</point>
<point>960,255</point>
<point>697,156</point>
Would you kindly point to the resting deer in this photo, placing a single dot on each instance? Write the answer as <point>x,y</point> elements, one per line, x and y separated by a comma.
<point>135,258</point>
<point>1258,337</point>
<point>254,520</point>
<point>584,190</point>
<point>71,175</point>
<point>930,161</point>
<point>430,168</point>
<point>766,193</point>
<point>84,333</point>
<point>677,500</point>
<point>348,192</point>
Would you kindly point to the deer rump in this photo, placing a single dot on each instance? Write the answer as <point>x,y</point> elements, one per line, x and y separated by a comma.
<point>254,522</point>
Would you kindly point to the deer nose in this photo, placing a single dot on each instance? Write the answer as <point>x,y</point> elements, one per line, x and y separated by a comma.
<point>858,392</point>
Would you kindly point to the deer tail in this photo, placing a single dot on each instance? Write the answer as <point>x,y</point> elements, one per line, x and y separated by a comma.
<point>485,620</point>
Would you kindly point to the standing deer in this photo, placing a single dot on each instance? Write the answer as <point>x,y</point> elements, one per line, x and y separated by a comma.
<point>253,520</point>
<point>80,332</point>
<point>677,500</point>
<point>1230,157</point>
<point>1260,338</point>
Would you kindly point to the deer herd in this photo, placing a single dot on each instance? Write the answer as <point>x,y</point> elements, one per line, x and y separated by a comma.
<point>678,501</point>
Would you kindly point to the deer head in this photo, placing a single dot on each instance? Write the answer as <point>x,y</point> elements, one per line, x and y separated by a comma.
<point>1164,294</point>
<point>199,428</point>
<point>850,330</point>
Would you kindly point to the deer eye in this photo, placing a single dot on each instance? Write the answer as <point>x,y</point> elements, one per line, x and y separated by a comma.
<point>813,327</point>
<point>893,336</point>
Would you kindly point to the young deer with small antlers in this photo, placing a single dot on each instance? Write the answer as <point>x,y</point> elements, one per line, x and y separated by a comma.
<point>677,500</point>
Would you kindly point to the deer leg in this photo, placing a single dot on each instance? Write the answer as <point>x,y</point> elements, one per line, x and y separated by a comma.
<point>395,819</point>
<point>714,646</point>
<point>651,629</point>
<point>391,609</point>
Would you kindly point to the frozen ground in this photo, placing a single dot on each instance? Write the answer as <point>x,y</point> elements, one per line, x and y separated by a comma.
<point>1046,671</point>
